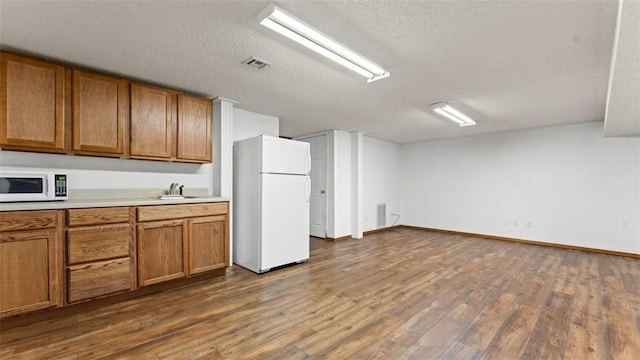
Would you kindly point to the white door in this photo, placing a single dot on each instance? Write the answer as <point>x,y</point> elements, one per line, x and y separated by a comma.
<point>318,211</point>
<point>285,220</point>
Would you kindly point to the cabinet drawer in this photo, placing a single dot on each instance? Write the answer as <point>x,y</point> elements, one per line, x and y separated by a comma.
<point>166,212</point>
<point>79,217</point>
<point>98,243</point>
<point>99,278</point>
<point>28,220</point>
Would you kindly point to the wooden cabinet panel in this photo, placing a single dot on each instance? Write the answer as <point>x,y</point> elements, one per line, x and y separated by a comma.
<point>152,122</point>
<point>100,111</point>
<point>98,278</point>
<point>194,128</point>
<point>28,271</point>
<point>165,212</point>
<point>208,244</point>
<point>28,220</point>
<point>52,108</point>
<point>97,243</point>
<point>175,248</point>
<point>162,252</point>
<point>102,257</point>
<point>92,216</point>
<point>100,251</point>
<point>31,103</point>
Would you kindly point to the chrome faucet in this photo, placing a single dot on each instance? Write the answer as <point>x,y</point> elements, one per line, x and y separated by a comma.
<point>175,189</point>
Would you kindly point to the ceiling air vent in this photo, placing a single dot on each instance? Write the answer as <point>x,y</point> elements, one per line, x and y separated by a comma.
<point>256,63</point>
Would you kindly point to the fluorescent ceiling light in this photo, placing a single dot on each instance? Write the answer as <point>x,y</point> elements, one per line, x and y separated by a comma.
<point>450,113</point>
<point>287,25</point>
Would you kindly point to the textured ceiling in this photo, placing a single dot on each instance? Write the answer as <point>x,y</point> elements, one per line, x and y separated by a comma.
<point>509,64</point>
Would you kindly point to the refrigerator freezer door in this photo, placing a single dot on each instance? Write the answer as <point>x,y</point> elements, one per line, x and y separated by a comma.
<point>284,156</point>
<point>285,220</point>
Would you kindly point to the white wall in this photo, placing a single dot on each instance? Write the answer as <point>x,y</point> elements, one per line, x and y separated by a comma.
<point>247,124</point>
<point>574,186</point>
<point>381,181</point>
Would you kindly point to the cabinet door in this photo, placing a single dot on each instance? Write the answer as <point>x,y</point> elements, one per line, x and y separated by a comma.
<point>152,122</point>
<point>194,129</point>
<point>208,239</point>
<point>100,105</point>
<point>31,103</point>
<point>162,251</point>
<point>27,285</point>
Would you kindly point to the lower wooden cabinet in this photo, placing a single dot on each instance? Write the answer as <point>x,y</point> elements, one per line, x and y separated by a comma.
<point>100,256</point>
<point>92,243</point>
<point>96,279</point>
<point>30,266</point>
<point>169,249</point>
<point>207,245</point>
<point>161,251</point>
<point>50,258</point>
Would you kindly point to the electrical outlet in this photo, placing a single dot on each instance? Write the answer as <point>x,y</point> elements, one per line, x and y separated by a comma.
<point>515,222</point>
<point>529,224</point>
<point>505,222</point>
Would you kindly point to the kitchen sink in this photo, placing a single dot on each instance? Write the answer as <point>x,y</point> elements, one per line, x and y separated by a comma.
<point>176,197</point>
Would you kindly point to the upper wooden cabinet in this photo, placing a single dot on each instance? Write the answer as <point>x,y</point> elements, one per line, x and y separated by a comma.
<point>153,114</point>
<point>169,126</point>
<point>32,104</point>
<point>47,107</point>
<point>194,128</point>
<point>100,114</point>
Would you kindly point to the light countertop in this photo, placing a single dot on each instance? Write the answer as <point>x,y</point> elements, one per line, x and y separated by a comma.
<point>109,198</point>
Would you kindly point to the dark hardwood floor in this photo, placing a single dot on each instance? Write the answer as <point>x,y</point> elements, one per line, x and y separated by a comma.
<point>406,294</point>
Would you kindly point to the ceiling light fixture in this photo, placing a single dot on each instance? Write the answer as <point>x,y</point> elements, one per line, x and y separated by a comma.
<point>287,25</point>
<point>450,113</point>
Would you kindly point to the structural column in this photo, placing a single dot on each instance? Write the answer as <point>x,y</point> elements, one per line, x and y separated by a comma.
<point>223,147</point>
<point>357,151</point>
<point>223,156</point>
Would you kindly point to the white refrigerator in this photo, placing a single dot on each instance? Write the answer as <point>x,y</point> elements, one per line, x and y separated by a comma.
<point>271,190</point>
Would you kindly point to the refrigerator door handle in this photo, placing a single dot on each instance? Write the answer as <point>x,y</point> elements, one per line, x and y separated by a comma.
<point>309,162</point>
<point>308,194</point>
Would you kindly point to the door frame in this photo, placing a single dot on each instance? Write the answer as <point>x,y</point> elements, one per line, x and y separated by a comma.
<point>307,138</point>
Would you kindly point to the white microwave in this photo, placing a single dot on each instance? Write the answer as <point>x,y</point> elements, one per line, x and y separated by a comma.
<point>30,185</point>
